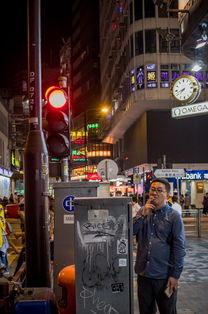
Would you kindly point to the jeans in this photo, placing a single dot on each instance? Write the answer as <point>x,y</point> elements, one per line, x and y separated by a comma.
<point>151,293</point>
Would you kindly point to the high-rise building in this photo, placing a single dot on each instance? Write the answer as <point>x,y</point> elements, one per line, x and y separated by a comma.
<point>140,57</point>
<point>80,64</point>
<point>193,20</point>
<point>85,88</point>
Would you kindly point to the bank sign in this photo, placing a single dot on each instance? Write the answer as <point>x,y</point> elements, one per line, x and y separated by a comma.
<point>190,110</point>
<point>196,175</point>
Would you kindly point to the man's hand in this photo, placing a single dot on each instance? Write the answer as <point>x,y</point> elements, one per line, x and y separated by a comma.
<point>149,207</point>
<point>146,210</point>
<point>173,283</point>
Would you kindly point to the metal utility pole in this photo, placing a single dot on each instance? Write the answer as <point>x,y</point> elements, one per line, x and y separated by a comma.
<point>65,169</point>
<point>36,165</point>
<point>85,143</point>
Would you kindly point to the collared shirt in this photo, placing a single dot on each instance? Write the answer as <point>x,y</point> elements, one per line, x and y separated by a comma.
<point>161,244</point>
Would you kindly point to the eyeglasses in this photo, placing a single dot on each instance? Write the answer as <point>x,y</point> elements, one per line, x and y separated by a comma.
<point>158,190</point>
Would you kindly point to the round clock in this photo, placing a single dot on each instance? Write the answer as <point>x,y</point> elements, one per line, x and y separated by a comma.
<point>186,89</point>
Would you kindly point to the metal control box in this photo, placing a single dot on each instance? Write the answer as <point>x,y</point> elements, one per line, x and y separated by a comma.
<point>64,193</point>
<point>103,255</point>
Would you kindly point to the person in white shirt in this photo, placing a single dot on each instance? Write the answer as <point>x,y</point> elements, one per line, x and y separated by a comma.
<point>135,207</point>
<point>176,205</point>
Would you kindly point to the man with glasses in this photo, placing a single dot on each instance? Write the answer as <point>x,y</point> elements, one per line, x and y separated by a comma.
<point>160,253</point>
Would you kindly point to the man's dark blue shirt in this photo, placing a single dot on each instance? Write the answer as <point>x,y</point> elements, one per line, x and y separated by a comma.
<point>161,244</point>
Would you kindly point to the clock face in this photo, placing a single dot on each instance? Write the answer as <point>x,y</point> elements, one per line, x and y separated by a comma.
<point>186,89</point>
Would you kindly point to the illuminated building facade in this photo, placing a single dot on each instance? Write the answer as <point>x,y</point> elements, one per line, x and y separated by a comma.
<point>140,56</point>
<point>80,63</point>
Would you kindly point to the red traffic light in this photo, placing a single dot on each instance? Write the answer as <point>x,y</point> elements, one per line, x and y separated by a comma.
<point>56,97</point>
<point>149,176</point>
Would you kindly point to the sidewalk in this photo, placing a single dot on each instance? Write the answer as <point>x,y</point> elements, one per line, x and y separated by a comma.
<point>192,297</point>
<point>193,292</point>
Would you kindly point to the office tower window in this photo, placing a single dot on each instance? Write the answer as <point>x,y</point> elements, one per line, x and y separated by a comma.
<point>199,76</point>
<point>164,66</point>
<point>175,74</point>
<point>140,77</point>
<point>132,46</point>
<point>164,78</point>
<point>150,41</point>
<point>151,75</point>
<point>149,8</point>
<point>139,43</point>
<point>163,44</point>
<point>130,13</point>
<point>132,76</point>
<point>164,75</point>
<point>174,5</point>
<point>175,43</point>
<point>138,8</point>
<point>163,10</point>
<point>206,78</point>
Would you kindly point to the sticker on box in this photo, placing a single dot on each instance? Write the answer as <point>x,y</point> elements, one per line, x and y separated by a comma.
<point>122,246</point>
<point>122,262</point>
<point>68,219</point>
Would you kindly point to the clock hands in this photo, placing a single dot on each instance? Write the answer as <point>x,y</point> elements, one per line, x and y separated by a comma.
<point>182,90</point>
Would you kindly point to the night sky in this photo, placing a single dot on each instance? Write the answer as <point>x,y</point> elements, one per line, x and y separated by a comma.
<point>13,34</point>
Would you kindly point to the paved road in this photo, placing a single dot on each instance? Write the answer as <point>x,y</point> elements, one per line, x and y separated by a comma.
<point>193,292</point>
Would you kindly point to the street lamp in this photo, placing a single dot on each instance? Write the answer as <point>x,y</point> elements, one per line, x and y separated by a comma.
<point>104,110</point>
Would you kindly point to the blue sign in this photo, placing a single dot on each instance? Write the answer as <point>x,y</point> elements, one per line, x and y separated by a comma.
<point>196,175</point>
<point>68,203</point>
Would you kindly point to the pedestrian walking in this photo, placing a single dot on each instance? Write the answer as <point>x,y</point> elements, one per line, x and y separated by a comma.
<point>4,266</point>
<point>205,204</point>
<point>11,199</point>
<point>182,200</point>
<point>187,203</point>
<point>135,206</point>
<point>160,252</point>
<point>176,205</point>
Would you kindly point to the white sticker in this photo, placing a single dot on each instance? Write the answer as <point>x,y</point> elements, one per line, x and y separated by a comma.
<point>68,219</point>
<point>122,246</point>
<point>98,215</point>
<point>122,262</point>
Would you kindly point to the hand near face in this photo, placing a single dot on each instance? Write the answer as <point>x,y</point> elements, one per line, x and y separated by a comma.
<point>149,206</point>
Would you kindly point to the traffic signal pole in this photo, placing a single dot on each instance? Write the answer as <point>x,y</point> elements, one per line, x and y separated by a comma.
<point>36,165</point>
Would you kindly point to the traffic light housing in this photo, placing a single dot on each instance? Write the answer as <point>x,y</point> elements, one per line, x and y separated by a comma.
<point>58,137</point>
<point>149,176</point>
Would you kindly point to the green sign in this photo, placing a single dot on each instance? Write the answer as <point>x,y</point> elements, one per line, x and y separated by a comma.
<point>92,126</point>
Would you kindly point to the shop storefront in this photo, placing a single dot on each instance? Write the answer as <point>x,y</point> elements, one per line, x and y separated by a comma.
<point>195,183</point>
<point>5,179</point>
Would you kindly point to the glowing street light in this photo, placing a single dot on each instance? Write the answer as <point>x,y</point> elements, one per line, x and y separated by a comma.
<point>104,110</point>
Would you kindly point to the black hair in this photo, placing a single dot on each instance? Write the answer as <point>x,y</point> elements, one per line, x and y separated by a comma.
<point>134,199</point>
<point>174,198</point>
<point>163,181</point>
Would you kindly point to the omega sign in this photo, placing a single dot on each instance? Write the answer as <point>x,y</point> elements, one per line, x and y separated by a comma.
<point>190,110</point>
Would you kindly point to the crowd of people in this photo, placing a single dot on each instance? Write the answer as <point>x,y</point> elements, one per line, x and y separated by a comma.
<point>7,234</point>
<point>6,229</point>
